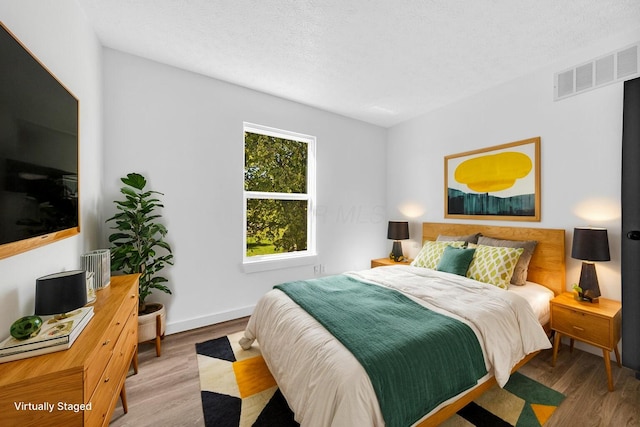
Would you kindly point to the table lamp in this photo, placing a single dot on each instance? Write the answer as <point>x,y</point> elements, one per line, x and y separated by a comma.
<point>397,230</point>
<point>590,244</point>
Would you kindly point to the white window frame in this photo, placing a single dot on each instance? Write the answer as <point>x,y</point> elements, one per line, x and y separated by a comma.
<point>287,259</point>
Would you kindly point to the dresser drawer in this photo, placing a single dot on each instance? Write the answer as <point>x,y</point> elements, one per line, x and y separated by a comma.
<point>107,391</point>
<point>103,353</point>
<point>98,363</point>
<point>127,343</point>
<point>580,325</point>
<point>129,308</point>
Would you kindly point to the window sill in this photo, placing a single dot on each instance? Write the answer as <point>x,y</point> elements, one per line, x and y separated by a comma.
<point>278,263</point>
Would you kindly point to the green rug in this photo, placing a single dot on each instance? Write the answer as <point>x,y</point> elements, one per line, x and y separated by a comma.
<point>237,390</point>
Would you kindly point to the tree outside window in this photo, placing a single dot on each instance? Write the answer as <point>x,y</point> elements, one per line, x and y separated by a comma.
<point>278,193</point>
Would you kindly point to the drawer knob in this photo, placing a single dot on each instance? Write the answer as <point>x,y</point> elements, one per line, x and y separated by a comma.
<point>106,380</point>
<point>578,328</point>
<point>106,342</point>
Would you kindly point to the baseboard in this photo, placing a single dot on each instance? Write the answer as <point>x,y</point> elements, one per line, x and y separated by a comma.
<point>199,322</point>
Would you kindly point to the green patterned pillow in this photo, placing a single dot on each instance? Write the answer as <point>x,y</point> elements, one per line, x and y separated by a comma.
<point>430,254</point>
<point>494,265</point>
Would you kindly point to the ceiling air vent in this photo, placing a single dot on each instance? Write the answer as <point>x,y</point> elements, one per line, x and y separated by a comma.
<point>611,68</point>
<point>628,62</point>
<point>564,84</point>
<point>584,77</point>
<point>604,70</point>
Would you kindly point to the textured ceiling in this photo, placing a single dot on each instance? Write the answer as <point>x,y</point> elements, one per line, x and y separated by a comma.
<point>378,61</point>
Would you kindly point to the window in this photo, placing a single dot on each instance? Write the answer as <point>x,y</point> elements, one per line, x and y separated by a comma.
<point>279,192</point>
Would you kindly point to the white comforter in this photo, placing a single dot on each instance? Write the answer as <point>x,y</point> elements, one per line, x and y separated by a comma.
<point>323,382</point>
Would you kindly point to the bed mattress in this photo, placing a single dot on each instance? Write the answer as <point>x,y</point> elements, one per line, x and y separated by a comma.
<point>538,298</point>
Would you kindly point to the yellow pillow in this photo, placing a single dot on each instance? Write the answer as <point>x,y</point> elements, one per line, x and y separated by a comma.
<point>494,265</point>
<point>431,252</point>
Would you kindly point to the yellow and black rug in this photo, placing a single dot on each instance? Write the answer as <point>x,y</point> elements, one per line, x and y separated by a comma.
<point>238,390</point>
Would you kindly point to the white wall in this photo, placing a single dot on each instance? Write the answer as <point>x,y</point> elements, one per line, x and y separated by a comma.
<point>58,34</point>
<point>580,150</point>
<point>184,132</point>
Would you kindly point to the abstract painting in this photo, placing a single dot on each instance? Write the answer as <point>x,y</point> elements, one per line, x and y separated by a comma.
<point>500,182</point>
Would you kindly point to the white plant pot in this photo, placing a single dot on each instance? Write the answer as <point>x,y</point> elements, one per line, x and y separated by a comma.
<point>147,324</point>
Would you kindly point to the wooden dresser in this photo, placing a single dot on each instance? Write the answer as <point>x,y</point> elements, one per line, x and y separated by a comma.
<point>91,373</point>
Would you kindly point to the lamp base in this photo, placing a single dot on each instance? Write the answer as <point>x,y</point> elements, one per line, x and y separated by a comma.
<point>396,251</point>
<point>580,297</point>
<point>589,283</point>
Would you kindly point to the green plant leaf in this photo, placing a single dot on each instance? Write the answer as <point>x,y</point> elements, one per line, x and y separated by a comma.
<point>135,180</point>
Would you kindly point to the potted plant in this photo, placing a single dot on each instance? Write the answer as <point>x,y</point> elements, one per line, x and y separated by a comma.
<point>138,246</point>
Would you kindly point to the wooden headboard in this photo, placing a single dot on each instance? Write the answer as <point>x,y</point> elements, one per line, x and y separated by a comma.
<point>547,266</point>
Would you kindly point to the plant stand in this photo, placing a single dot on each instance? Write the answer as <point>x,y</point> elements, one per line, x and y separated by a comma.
<point>151,327</point>
<point>159,335</point>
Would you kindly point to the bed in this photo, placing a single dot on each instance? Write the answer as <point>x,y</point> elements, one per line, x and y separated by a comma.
<point>325,383</point>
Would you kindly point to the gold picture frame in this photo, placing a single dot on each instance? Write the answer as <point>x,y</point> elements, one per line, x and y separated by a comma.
<point>496,183</point>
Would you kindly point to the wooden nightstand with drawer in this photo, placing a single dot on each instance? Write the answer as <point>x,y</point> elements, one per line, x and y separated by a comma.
<point>597,324</point>
<point>381,262</point>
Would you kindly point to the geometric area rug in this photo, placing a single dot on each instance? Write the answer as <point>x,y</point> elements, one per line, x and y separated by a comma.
<point>522,402</point>
<point>237,390</point>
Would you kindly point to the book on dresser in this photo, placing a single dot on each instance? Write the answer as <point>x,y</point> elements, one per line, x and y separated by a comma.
<point>57,333</point>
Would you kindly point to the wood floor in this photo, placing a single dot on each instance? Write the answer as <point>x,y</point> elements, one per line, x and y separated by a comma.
<point>166,391</point>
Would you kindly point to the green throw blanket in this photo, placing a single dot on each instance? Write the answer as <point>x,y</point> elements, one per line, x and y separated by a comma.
<point>415,357</point>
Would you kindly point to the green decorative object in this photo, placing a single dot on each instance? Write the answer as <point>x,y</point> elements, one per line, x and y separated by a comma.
<point>26,327</point>
<point>455,260</point>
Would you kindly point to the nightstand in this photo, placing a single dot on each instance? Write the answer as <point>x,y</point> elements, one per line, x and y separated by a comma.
<point>387,261</point>
<point>597,324</point>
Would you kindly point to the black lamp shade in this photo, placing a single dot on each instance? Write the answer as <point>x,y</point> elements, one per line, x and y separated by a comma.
<point>61,292</point>
<point>398,230</point>
<point>590,244</point>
